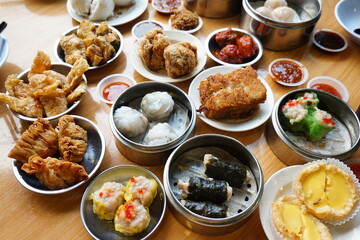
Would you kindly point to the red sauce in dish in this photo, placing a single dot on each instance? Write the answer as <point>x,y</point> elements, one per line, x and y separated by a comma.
<point>287,71</point>
<point>355,167</point>
<point>326,88</point>
<point>113,90</point>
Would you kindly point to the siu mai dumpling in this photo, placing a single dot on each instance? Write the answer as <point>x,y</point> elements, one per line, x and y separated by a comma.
<point>142,189</point>
<point>157,105</point>
<point>131,218</point>
<point>159,134</point>
<point>107,199</point>
<point>130,122</point>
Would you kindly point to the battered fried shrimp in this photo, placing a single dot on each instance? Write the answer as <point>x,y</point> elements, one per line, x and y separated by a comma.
<point>54,173</point>
<point>151,49</point>
<point>27,106</point>
<point>180,59</point>
<point>184,20</point>
<point>233,95</point>
<point>41,63</point>
<point>40,138</point>
<point>74,78</point>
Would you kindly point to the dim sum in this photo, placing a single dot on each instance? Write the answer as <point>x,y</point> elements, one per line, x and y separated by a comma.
<point>159,134</point>
<point>130,122</point>
<point>142,189</point>
<point>157,105</point>
<point>206,209</point>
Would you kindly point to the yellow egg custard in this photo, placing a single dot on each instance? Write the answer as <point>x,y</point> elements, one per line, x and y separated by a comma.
<point>293,221</point>
<point>328,192</point>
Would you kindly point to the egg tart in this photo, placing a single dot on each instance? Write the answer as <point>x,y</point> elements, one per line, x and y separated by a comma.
<point>293,221</point>
<point>328,192</point>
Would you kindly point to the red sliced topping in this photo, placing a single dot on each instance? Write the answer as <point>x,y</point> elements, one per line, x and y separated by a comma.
<point>328,121</point>
<point>141,191</point>
<point>132,179</point>
<point>101,194</point>
<point>306,98</point>
<point>129,210</point>
<point>292,103</point>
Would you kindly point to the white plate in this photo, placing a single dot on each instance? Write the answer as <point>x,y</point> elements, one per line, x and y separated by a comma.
<point>126,16</point>
<point>252,122</point>
<point>4,49</point>
<point>161,76</point>
<point>188,31</point>
<point>280,184</point>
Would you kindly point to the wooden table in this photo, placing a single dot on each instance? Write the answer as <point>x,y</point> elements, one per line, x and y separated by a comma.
<point>36,24</point>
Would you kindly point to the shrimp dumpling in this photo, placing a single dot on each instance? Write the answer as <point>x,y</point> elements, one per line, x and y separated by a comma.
<point>272,4</point>
<point>265,11</point>
<point>157,105</point>
<point>130,122</point>
<point>142,189</point>
<point>283,14</point>
<point>131,218</point>
<point>160,133</point>
<point>101,9</point>
<point>107,199</point>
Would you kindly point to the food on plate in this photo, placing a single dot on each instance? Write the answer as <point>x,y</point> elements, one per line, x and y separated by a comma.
<point>200,189</point>
<point>142,189</point>
<point>55,173</point>
<point>160,133</point>
<point>303,115</point>
<point>180,59</point>
<point>123,3</point>
<point>40,139</point>
<point>113,90</point>
<point>327,191</point>
<point>184,20</point>
<point>96,44</point>
<point>72,139</point>
<point>234,174</point>
<point>107,199</point>
<point>130,122</point>
<point>234,47</point>
<point>81,7</point>
<point>206,209</point>
<point>157,105</point>
<point>234,95</point>
<point>47,93</point>
<point>151,49</point>
<point>293,221</point>
<point>272,4</point>
<point>131,218</point>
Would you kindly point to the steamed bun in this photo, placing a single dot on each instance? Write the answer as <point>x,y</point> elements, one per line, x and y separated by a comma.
<point>101,9</point>
<point>81,7</point>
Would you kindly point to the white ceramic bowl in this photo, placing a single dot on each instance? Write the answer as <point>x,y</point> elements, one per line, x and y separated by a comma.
<point>303,68</point>
<point>339,86</point>
<point>319,45</point>
<point>142,27</point>
<point>347,14</point>
<point>110,79</point>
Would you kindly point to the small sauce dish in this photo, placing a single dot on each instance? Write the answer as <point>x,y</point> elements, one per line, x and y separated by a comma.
<point>142,27</point>
<point>112,86</point>
<point>288,72</point>
<point>329,40</point>
<point>330,85</point>
<point>167,6</point>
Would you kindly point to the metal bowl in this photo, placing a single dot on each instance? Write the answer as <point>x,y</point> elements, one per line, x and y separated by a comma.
<point>282,36</point>
<point>91,160</point>
<point>214,8</point>
<point>340,143</point>
<point>145,154</point>
<point>59,52</point>
<point>60,68</point>
<point>211,46</point>
<point>186,160</point>
<point>104,230</point>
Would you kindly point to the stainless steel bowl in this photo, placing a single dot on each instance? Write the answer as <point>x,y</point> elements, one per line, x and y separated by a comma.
<point>91,160</point>
<point>145,154</point>
<point>62,68</point>
<point>281,36</point>
<point>104,230</point>
<point>186,160</point>
<point>293,152</point>
<point>214,8</point>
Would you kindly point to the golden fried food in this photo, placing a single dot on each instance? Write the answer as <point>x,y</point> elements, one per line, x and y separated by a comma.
<point>180,59</point>
<point>74,77</point>
<point>151,49</point>
<point>56,75</point>
<point>41,63</point>
<point>77,92</point>
<point>27,106</point>
<point>54,173</point>
<point>233,95</point>
<point>184,20</point>
<point>54,105</point>
<point>40,138</point>
<point>16,87</point>
<point>43,85</point>
<point>72,139</point>
<point>96,44</point>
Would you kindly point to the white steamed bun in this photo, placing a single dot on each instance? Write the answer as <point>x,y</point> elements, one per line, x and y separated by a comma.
<point>101,9</point>
<point>81,7</point>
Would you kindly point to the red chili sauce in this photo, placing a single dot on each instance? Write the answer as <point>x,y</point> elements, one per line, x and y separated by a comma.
<point>113,90</point>
<point>355,167</point>
<point>287,71</point>
<point>167,5</point>
<point>326,88</point>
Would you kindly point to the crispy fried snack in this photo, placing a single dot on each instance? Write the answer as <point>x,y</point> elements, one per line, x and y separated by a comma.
<point>74,78</point>
<point>43,85</point>
<point>54,105</point>
<point>77,93</point>
<point>16,87</point>
<point>180,59</point>
<point>27,106</point>
<point>184,19</point>
<point>72,139</point>
<point>54,173</point>
<point>40,138</point>
<point>151,49</point>
<point>233,95</point>
<point>41,63</point>
<point>73,47</point>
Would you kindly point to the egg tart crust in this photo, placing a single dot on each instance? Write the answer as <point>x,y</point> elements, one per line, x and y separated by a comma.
<point>328,192</point>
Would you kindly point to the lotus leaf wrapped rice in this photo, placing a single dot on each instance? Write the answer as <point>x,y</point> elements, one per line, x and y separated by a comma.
<point>142,189</point>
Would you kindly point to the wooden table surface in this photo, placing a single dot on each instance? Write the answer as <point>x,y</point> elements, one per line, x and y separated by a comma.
<point>36,24</point>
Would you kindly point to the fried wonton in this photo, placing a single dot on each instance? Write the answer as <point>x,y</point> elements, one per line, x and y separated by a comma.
<point>72,139</point>
<point>40,138</point>
<point>54,173</point>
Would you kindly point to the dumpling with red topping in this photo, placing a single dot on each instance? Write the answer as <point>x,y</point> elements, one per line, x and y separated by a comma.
<point>142,189</point>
